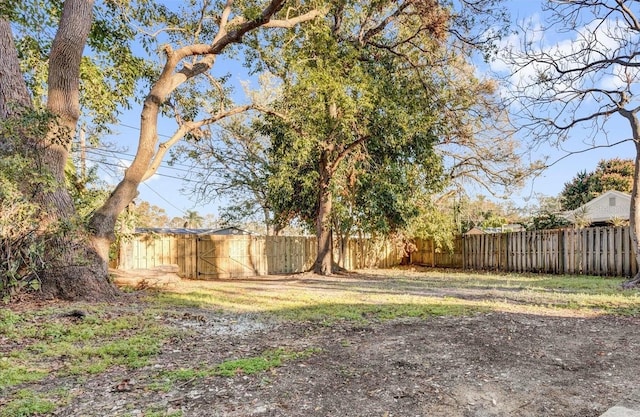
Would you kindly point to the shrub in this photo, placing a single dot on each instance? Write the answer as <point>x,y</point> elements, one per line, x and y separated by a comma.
<point>21,246</point>
<point>21,177</point>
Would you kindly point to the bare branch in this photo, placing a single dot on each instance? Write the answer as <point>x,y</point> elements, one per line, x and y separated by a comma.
<point>183,130</point>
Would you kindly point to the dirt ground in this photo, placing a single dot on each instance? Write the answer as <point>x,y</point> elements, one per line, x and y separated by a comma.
<point>490,364</point>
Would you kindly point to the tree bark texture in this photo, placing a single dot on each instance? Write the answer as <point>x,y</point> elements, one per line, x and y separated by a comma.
<point>324,260</point>
<point>73,269</point>
<point>13,90</point>
<point>634,213</point>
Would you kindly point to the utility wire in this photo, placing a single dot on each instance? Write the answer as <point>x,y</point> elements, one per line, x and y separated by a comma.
<point>114,154</point>
<point>157,173</point>
<point>164,199</point>
<point>138,129</point>
<point>96,149</point>
<point>149,187</point>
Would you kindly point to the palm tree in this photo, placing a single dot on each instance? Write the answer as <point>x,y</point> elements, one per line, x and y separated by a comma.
<point>193,219</point>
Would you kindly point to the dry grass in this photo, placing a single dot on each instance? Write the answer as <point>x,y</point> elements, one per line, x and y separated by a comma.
<point>388,294</point>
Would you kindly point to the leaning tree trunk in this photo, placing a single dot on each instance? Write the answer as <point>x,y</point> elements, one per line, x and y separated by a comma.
<point>634,212</point>
<point>634,218</point>
<point>324,259</point>
<point>103,221</point>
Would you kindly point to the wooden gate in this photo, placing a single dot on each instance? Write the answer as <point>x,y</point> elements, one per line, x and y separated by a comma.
<point>229,257</point>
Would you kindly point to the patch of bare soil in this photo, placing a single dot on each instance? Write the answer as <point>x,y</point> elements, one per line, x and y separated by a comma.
<point>494,364</point>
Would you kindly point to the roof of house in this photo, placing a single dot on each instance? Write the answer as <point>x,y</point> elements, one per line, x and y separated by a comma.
<point>232,230</point>
<point>600,208</point>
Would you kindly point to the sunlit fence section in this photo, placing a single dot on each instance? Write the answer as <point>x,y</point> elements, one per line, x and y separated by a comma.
<point>219,257</point>
<point>590,251</point>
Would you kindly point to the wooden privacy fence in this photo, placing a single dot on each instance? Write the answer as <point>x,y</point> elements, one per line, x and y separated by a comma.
<point>428,254</point>
<point>215,257</point>
<point>590,251</point>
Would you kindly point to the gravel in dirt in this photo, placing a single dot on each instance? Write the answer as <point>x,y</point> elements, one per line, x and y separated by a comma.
<point>493,364</point>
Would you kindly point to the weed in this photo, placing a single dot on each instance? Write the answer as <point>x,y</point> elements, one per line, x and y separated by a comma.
<point>244,366</point>
<point>160,412</point>
<point>386,295</point>
<point>15,373</point>
<point>269,359</point>
<point>25,403</point>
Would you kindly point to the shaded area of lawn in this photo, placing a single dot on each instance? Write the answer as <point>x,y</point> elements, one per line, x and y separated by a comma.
<point>42,345</point>
<point>388,294</point>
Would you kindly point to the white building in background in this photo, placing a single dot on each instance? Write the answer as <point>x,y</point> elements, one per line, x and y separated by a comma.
<point>602,210</point>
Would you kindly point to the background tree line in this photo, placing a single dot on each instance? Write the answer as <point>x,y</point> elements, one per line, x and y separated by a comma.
<point>376,120</point>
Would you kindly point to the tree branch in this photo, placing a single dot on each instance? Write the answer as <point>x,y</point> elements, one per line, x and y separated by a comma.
<point>185,128</point>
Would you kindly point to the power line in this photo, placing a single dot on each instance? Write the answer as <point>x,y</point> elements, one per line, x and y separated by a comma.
<point>96,149</point>
<point>106,152</point>
<point>157,173</point>
<point>152,190</point>
<point>164,199</point>
<point>138,129</point>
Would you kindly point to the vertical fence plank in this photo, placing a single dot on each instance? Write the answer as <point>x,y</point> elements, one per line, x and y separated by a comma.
<point>597,251</point>
<point>586,251</point>
<point>626,244</point>
<point>570,251</point>
<point>593,251</point>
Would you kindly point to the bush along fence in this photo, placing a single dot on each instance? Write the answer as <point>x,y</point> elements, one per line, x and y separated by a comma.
<point>590,251</point>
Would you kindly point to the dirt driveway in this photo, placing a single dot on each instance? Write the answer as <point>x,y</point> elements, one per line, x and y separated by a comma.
<point>490,363</point>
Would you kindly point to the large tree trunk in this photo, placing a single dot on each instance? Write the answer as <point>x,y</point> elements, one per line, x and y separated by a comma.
<point>14,95</point>
<point>634,218</point>
<point>324,259</point>
<point>102,224</point>
<point>634,213</point>
<point>72,268</point>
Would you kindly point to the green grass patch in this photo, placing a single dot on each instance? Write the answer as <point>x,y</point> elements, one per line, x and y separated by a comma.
<point>268,360</point>
<point>400,293</point>
<point>132,352</point>
<point>50,342</point>
<point>15,373</point>
<point>161,412</point>
<point>505,281</point>
<point>363,312</point>
<point>242,366</point>
<point>331,305</point>
<point>8,322</point>
<point>25,403</point>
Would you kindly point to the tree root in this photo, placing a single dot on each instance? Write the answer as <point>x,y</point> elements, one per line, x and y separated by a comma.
<point>632,283</point>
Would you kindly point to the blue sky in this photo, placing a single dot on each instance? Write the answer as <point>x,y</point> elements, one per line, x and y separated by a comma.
<point>565,165</point>
<point>164,191</point>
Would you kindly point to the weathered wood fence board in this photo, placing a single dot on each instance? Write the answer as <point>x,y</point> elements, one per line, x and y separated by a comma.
<point>427,253</point>
<point>287,254</point>
<point>220,257</point>
<point>229,257</point>
<point>591,251</point>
